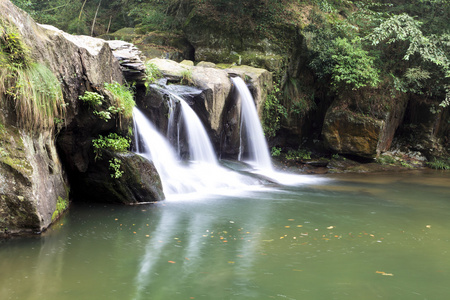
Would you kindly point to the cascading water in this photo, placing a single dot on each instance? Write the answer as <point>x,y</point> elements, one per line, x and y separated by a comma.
<point>179,178</point>
<point>200,147</point>
<point>256,144</point>
<point>153,146</point>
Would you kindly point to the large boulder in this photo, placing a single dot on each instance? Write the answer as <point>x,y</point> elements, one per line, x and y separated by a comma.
<point>362,123</point>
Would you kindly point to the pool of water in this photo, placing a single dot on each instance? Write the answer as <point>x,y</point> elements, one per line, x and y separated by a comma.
<point>383,236</point>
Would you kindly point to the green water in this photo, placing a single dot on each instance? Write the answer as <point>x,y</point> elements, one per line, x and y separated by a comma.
<point>350,237</point>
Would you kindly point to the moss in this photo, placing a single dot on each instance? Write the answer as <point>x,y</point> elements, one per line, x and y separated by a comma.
<point>61,205</point>
<point>12,151</point>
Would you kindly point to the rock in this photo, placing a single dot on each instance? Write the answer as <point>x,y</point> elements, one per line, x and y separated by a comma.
<point>130,59</point>
<point>156,44</point>
<point>359,127</point>
<point>189,63</point>
<point>32,175</point>
<point>206,64</point>
<point>140,181</point>
<point>351,133</point>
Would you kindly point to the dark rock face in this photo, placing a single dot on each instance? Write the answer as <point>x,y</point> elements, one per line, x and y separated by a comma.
<point>140,181</point>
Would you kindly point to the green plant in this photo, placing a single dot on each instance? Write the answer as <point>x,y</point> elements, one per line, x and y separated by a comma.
<point>386,160</point>
<point>114,166</point>
<point>186,77</point>
<point>273,111</point>
<point>275,151</point>
<point>152,73</point>
<point>3,152</point>
<point>92,99</point>
<point>61,205</point>
<point>112,142</point>
<point>104,115</point>
<point>439,163</point>
<point>298,154</point>
<point>122,97</point>
<point>34,89</point>
<point>353,67</point>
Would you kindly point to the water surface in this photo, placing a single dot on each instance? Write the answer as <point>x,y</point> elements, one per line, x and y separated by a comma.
<point>348,237</point>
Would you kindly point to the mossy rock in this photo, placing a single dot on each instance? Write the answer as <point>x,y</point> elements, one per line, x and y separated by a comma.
<point>125,34</point>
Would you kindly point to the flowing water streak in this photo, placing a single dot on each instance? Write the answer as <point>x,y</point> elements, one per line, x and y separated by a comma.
<point>174,176</point>
<point>256,143</point>
<point>200,147</point>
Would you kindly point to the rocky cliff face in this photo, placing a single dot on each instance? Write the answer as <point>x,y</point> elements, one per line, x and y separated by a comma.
<point>34,164</point>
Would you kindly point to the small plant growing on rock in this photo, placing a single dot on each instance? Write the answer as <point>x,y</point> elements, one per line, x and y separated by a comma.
<point>92,99</point>
<point>298,154</point>
<point>123,98</point>
<point>61,205</point>
<point>152,73</point>
<point>112,142</point>
<point>114,166</point>
<point>186,77</point>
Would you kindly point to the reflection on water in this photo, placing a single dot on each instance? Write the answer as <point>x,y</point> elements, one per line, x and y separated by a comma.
<point>350,237</point>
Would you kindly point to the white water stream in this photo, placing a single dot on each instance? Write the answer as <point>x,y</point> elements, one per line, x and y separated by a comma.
<point>255,143</point>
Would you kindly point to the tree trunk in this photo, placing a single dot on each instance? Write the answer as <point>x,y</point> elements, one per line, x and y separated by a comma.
<point>95,17</point>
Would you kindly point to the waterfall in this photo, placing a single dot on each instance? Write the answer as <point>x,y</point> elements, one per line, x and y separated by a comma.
<point>200,147</point>
<point>205,175</point>
<point>153,146</point>
<point>255,143</point>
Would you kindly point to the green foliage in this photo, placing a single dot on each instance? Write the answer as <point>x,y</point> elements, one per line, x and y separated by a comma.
<point>112,142</point>
<point>353,67</point>
<point>92,99</point>
<point>61,205</point>
<point>114,166</point>
<point>386,160</point>
<point>152,73</point>
<point>273,111</point>
<point>186,77</point>
<point>405,28</point>
<point>123,98</point>
<point>34,90</point>
<point>298,154</point>
<point>439,163</point>
<point>275,151</point>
